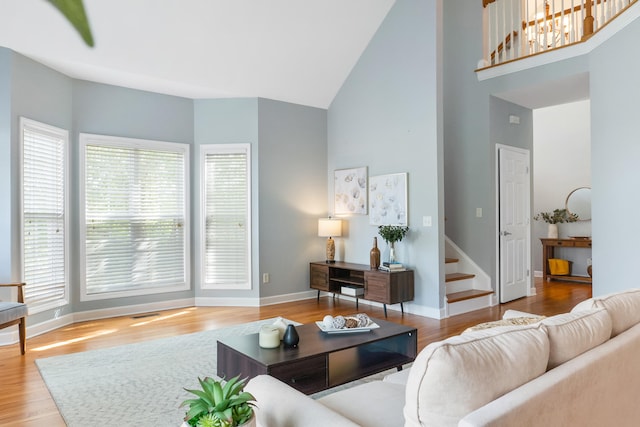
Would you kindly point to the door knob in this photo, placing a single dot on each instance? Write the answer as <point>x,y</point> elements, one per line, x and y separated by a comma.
<point>505,233</point>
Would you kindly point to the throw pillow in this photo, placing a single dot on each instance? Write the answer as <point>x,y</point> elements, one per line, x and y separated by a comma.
<point>571,334</point>
<point>623,307</point>
<point>454,377</point>
<point>512,321</point>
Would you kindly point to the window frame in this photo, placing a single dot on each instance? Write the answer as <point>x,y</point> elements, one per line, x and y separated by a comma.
<point>131,143</point>
<point>35,307</point>
<point>231,148</point>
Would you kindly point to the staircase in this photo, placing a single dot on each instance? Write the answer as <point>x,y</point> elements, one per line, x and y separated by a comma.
<point>468,288</point>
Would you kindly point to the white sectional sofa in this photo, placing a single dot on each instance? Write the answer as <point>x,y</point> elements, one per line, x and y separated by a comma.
<point>575,369</point>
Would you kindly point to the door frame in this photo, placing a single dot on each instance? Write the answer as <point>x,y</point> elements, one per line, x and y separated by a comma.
<point>531,289</point>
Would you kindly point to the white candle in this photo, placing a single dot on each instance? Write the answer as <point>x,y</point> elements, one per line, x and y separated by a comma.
<point>269,337</point>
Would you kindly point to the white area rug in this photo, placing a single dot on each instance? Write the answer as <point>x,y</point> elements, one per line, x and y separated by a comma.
<point>135,384</point>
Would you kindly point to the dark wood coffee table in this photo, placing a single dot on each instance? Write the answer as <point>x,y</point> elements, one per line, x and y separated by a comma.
<point>321,360</point>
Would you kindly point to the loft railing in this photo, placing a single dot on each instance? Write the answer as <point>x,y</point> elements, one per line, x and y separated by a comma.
<point>516,29</point>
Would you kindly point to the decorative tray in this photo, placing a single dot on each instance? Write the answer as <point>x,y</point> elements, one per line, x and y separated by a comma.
<point>323,328</point>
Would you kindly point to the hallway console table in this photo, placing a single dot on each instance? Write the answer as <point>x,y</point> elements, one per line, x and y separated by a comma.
<point>548,249</point>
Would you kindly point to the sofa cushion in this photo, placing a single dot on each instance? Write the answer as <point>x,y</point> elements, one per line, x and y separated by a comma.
<point>571,334</point>
<point>451,378</point>
<point>623,307</point>
<point>376,403</point>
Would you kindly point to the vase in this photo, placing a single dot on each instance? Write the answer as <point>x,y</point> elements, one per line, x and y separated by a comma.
<point>281,326</point>
<point>374,255</point>
<point>552,231</point>
<point>392,252</point>
<point>250,423</point>
<point>291,338</point>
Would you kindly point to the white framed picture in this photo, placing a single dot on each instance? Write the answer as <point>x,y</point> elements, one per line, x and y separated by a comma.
<point>388,199</point>
<point>350,191</point>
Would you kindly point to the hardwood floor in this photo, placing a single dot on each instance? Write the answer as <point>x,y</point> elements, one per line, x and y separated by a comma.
<point>25,400</point>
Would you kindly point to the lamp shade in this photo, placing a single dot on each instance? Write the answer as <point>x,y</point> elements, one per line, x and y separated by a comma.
<point>329,227</point>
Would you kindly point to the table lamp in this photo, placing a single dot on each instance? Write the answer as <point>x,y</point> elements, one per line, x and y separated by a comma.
<point>329,227</point>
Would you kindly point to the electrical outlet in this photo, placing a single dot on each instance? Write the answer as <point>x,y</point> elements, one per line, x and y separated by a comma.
<point>265,277</point>
<point>426,221</point>
<point>478,212</point>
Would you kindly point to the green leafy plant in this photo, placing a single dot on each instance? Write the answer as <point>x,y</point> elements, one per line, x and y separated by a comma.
<point>74,11</point>
<point>392,233</point>
<point>558,216</point>
<point>219,405</point>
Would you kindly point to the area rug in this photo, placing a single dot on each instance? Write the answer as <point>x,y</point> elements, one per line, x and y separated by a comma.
<point>137,384</point>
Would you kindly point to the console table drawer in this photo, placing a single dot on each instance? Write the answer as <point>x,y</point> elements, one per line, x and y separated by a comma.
<point>319,277</point>
<point>307,375</point>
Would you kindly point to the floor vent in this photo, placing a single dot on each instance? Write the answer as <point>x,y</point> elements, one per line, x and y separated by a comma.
<point>142,316</point>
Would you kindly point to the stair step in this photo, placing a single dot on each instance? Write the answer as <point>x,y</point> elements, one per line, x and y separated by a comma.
<point>465,295</point>
<point>451,277</point>
<point>450,260</point>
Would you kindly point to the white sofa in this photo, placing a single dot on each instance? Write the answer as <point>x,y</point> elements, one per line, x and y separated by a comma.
<point>575,369</point>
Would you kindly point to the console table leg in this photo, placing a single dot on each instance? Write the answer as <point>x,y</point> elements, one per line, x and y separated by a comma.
<point>318,298</point>
<point>356,303</point>
<point>402,308</point>
<point>385,310</point>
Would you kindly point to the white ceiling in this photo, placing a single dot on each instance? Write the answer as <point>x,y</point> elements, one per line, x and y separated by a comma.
<point>298,51</point>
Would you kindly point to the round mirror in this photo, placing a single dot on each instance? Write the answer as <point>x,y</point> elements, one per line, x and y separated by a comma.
<point>579,203</point>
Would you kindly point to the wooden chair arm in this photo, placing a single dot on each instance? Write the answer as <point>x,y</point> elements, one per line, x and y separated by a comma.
<point>19,286</point>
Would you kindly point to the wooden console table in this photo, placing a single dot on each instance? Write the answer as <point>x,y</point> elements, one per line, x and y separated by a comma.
<point>548,249</point>
<point>368,284</point>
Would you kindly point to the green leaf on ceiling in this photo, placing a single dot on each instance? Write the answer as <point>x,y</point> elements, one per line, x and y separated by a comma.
<point>73,10</point>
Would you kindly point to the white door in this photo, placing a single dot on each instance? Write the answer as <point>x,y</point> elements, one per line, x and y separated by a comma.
<point>514,232</point>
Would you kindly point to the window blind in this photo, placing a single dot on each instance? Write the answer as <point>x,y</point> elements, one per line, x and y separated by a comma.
<point>44,226</point>
<point>135,218</point>
<point>227,217</point>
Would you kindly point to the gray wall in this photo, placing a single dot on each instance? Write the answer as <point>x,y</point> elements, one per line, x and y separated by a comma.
<point>613,75</point>
<point>225,121</point>
<point>6,165</point>
<point>615,67</point>
<point>293,188</point>
<point>111,110</point>
<point>472,121</point>
<point>38,93</point>
<point>387,116</point>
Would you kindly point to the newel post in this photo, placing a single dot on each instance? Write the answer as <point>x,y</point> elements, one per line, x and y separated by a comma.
<point>587,28</point>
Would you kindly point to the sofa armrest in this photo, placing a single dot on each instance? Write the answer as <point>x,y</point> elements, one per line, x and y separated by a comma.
<point>279,405</point>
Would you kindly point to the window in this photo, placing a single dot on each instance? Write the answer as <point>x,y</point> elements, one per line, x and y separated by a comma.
<point>45,230</point>
<point>226,217</point>
<point>134,216</point>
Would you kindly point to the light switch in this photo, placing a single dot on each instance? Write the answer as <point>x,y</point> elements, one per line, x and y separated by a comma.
<point>426,221</point>
<point>478,212</point>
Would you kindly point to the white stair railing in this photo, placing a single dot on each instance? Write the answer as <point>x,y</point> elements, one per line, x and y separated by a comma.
<point>518,28</point>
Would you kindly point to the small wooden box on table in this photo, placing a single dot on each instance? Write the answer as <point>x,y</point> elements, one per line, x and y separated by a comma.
<point>379,286</point>
<point>321,360</point>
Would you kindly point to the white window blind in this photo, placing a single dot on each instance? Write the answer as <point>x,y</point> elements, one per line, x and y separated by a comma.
<point>135,216</point>
<point>226,201</point>
<point>44,216</point>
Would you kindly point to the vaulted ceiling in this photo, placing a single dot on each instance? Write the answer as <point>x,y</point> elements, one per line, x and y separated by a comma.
<point>298,51</point>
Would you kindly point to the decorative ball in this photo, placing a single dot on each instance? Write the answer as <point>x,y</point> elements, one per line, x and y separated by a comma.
<point>351,322</point>
<point>339,322</point>
<point>363,320</point>
<point>328,321</point>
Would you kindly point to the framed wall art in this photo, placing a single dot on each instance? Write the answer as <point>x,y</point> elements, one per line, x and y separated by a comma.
<point>350,191</point>
<point>388,199</point>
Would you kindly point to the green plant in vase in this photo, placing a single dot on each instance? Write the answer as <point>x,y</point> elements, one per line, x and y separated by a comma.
<point>219,405</point>
<point>392,234</point>
<point>558,216</point>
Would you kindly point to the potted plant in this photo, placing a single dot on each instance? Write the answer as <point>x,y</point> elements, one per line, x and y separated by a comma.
<point>220,405</point>
<point>392,234</point>
<point>554,218</point>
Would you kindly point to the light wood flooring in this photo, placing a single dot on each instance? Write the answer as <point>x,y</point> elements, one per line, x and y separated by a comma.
<point>25,400</point>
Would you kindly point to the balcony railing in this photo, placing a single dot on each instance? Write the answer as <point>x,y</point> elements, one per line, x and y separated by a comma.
<point>516,29</point>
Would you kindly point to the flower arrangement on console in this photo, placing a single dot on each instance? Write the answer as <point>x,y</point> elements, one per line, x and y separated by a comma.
<point>392,234</point>
<point>558,216</point>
